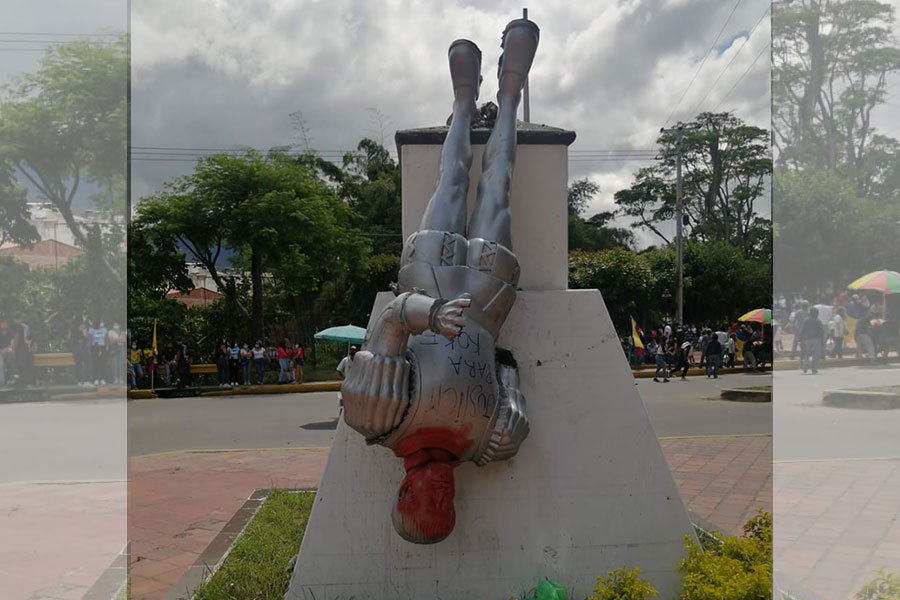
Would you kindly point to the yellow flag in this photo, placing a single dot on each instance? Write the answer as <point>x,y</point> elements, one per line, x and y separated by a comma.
<point>154,341</point>
<point>638,344</point>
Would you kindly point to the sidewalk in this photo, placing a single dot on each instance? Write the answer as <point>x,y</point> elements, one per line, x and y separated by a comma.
<point>179,501</point>
<point>836,521</point>
<point>59,537</point>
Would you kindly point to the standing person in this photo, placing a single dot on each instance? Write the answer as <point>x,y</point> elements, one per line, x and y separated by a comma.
<point>731,349</point>
<point>299,359</point>
<point>284,354</point>
<point>713,357</point>
<point>704,342</point>
<point>259,361</point>
<point>81,354</point>
<point>661,362</point>
<point>840,330</point>
<point>347,363</point>
<point>170,358</point>
<point>6,351</point>
<point>99,356</point>
<point>812,341</point>
<point>184,364</point>
<point>135,359</point>
<point>246,361</point>
<point>865,346</point>
<point>685,354</point>
<point>116,340</point>
<point>234,360</point>
<point>221,356</point>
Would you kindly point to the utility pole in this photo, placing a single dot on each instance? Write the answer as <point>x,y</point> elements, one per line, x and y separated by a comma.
<point>679,221</point>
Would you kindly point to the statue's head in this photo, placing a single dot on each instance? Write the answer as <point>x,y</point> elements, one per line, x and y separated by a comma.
<point>424,512</point>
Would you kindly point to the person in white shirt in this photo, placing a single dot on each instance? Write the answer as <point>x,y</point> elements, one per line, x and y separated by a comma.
<point>347,363</point>
<point>840,330</point>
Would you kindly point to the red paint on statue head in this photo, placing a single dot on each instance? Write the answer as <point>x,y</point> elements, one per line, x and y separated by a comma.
<point>424,513</point>
<point>453,440</point>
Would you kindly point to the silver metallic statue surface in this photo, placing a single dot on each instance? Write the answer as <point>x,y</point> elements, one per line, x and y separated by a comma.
<point>429,382</point>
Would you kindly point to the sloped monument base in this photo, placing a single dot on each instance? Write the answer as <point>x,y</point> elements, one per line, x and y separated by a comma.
<point>589,491</point>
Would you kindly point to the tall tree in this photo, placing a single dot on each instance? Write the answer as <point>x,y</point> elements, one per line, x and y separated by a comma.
<point>596,232</point>
<point>725,167</point>
<point>14,224</point>
<point>65,124</point>
<point>273,212</point>
<point>831,62</point>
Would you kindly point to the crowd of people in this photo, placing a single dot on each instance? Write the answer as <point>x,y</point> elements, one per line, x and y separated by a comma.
<point>822,329</point>
<point>236,364</point>
<point>675,350</point>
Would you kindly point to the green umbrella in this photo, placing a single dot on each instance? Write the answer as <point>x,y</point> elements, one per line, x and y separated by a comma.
<point>350,334</point>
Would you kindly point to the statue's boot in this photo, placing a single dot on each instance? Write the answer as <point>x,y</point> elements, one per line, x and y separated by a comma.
<point>465,69</point>
<point>520,42</point>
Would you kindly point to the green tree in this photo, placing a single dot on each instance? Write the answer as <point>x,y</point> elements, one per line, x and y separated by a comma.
<point>274,212</point>
<point>65,124</point>
<point>594,233</point>
<point>725,166</point>
<point>624,279</point>
<point>831,60</point>
<point>14,224</point>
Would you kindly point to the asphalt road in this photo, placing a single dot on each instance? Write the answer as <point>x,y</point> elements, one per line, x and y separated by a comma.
<point>806,429</point>
<point>75,440</point>
<point>677,408</point>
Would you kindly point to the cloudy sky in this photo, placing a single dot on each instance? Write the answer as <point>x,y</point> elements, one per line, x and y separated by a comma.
<point>211,74</point>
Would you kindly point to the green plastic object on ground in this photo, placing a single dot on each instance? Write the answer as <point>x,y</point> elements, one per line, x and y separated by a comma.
<point>549,590</point>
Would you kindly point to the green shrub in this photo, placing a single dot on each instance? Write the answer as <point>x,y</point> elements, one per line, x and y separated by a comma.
<point>623,584</point>
<point>884,587</point>
<point>739,569</point>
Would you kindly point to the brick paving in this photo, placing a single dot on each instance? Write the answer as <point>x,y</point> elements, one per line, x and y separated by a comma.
<point>59,538</point>
<point>836,522</point>
<point>179,501</point>
<point>723,480</point>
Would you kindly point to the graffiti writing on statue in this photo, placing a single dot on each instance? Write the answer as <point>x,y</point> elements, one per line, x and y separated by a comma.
<point>428,383</point>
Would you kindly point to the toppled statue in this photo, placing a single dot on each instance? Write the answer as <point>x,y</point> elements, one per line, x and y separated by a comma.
<point>429,382</point>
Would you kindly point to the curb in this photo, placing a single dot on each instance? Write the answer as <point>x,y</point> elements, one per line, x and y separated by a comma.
<point>861,399</point>
<point>745,395</point>
<point>648,373</point>
<point>289,388</point>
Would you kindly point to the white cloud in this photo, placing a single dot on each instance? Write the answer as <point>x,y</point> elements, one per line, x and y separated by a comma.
<point>218,73</point>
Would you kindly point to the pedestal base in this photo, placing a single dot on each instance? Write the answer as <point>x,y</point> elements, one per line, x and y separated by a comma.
<point>589,491</point>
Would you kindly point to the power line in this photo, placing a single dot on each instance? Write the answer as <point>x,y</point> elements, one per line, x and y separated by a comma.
<point>703,62</point>
<point>747,39</point>
<point>741,78</point>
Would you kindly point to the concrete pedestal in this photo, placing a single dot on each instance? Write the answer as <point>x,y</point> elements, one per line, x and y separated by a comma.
<point>589,491</point>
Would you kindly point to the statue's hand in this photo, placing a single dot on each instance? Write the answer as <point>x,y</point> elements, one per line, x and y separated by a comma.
<point>449,319</point>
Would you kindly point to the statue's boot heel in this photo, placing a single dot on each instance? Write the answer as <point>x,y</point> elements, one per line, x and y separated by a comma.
<point>520,42</point>
<point>465,69</point>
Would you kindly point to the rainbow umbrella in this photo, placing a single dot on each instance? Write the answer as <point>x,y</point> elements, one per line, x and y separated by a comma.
<point>884,281</point>
<point>758,315</point>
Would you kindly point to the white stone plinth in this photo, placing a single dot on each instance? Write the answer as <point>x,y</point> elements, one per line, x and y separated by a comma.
<point>589,491</point>
<point>539,211</point>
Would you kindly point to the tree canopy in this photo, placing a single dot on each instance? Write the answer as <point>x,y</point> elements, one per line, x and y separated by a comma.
<point>726,165</point>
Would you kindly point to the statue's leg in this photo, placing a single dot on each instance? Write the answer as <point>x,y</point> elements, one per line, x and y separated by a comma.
<point>446,211</point>
<point>491,219</point>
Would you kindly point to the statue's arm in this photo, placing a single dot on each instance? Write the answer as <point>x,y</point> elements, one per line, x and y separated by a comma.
<point>376,392</point>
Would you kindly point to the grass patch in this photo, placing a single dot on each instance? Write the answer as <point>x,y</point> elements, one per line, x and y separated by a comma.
<point>258,565</point>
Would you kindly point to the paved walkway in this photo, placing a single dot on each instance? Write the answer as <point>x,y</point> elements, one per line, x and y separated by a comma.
<point>179,501</point>
<point>58,538</point>
<point>836,522</point>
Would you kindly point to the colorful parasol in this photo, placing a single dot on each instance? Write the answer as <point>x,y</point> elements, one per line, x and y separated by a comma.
<point>758,315</point>
<point>884,281</point>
